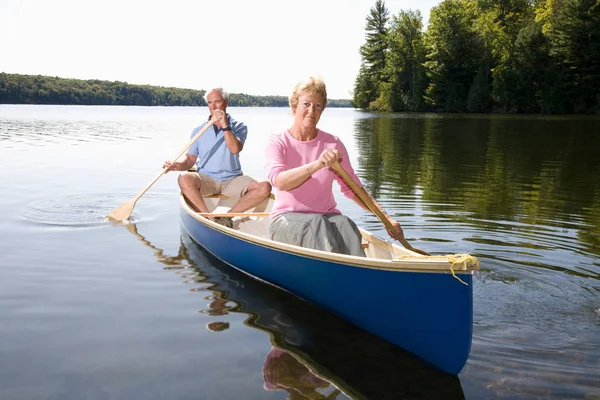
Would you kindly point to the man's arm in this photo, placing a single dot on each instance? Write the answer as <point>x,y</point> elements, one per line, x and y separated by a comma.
<point>234,136</point>
<point>182,164</point>
<point>234,144</point>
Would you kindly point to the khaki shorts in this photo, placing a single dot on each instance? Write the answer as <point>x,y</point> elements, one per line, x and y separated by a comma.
<point>235,188</point>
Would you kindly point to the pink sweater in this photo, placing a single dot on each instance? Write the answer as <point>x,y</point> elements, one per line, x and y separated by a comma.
<point>284,152</point>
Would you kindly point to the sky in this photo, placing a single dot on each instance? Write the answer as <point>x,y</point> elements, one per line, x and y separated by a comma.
<point>257,47</point>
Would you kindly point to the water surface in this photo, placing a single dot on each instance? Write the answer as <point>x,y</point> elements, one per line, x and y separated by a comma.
<point>91,310</point>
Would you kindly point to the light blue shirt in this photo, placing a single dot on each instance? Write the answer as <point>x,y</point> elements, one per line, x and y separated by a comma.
<point>214,158</point>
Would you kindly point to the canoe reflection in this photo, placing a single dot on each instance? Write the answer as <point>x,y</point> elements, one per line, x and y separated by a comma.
<point>315,354</point>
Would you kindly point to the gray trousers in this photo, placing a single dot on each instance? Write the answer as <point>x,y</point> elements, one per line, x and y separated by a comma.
<point>330,232</point>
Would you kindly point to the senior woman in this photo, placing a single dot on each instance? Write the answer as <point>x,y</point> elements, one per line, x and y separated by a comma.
<point>298,162</point>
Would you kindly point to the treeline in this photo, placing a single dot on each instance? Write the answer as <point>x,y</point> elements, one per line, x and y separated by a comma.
<point>37,89</point>
<point>480,56</point>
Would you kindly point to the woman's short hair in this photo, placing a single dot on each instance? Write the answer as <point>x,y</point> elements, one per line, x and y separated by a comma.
<point>223,92</point>
<point>310,85</point>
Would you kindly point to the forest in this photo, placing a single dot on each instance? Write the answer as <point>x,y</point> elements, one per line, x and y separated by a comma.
<point>37,89</point>
<point>482,56</point>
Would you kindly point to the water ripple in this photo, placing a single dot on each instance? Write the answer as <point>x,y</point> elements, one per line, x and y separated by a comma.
<point>524,366</point>
<point>84,210</point>
<point>74,132</point>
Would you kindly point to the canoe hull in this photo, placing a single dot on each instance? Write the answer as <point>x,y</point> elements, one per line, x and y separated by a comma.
<point>430,314</point>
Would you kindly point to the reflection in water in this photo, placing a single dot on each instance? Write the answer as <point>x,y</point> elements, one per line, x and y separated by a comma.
<point>217,326</point>
<point>217,307</point>
<point>315,355</point>
<point>282,371</point>
<point>531,186</point>
<point>525,193</point>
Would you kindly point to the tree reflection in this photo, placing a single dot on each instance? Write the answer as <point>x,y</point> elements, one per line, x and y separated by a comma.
<point>488,167</point>
<point>217,307</point>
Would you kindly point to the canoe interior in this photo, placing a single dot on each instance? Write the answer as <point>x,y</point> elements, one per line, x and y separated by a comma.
<point>380,253</point>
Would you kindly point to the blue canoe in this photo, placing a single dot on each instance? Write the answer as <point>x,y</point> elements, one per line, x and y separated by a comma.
<point>423,304</point>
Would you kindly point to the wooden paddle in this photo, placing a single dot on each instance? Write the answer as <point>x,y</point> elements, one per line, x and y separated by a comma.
<point>124,211</point>
<point>364,196</point>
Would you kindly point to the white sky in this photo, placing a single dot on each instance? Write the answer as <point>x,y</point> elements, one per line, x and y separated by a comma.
<point>258,47</point>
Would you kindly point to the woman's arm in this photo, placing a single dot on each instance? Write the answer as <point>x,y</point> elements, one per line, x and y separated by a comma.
<point>292,178</point>
<point>397,233</point>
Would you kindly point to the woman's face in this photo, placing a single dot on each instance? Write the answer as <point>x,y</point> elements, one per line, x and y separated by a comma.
<point>309,110</point>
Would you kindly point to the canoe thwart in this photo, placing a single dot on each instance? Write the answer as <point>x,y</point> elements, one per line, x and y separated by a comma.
<point>226,214</point>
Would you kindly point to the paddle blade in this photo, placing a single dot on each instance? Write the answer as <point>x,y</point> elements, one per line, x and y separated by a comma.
<point>122,212</point>
<point>409,247</point>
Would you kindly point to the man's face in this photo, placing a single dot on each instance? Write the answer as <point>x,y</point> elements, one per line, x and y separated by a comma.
<point>215,101</point>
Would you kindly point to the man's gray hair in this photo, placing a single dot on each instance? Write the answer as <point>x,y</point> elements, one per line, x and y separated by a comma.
<point>224,93</point>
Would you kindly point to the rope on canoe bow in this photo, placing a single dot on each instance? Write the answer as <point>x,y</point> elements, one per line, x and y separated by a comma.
<point>461,260</point>
<point>454,275</point>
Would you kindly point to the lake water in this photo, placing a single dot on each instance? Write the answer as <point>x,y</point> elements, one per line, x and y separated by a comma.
<point>96,311</point>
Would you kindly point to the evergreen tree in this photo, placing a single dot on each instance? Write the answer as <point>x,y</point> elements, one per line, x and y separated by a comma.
<point>373,54</point>
<point>365,89</point>
<point>454,55</point>
<point>576,43</point>
<point>478,100</point>
<point>524,56</point>
<point>404,68</point>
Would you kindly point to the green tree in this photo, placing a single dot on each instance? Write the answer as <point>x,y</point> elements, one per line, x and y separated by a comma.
<point>531,61</point>
<point>575,42</point>
<point>373,54</point>
<point>495,44</point>
<point>479,100</point>
<point>36,89</point>
<point>404,70</point>
<point>365,89</point>
<point>454,55</point>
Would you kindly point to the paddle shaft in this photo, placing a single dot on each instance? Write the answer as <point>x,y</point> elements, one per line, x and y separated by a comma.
<point>366,199</point>
<point>183,150</point>
<point>123,212</point>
